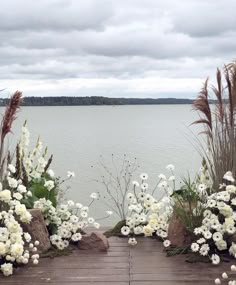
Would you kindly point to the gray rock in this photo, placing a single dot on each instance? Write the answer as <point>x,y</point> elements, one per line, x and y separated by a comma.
<point>94,241</point>
<point>38,230</point>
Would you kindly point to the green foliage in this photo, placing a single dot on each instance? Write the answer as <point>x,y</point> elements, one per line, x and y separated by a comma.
<point>116,231</point>
<point>187,206</point>
<point>39,191</point>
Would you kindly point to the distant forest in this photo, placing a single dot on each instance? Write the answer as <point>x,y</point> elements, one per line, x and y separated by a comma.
<point>94,100</point>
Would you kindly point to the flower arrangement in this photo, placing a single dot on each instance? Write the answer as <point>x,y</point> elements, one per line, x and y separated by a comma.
<point>67,222</point>
<point>218,224</point>
<point>15,244</point>
<point>148,215</point>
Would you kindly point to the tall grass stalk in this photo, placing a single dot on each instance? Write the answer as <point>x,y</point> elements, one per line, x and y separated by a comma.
<point>218,120</point>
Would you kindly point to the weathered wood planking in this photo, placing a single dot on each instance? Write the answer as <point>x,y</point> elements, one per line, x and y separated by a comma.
<point>144,264</point>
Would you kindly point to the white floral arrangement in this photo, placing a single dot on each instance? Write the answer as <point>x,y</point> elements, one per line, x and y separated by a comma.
<point>15,244</point>
<point>69,220</point>
<point>146,214</point>
<point>218,224</point>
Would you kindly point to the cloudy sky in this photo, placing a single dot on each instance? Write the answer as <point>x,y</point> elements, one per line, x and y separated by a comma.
<point>115,48</point>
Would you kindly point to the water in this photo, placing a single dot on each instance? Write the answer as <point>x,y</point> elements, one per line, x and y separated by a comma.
<point>156,135</point>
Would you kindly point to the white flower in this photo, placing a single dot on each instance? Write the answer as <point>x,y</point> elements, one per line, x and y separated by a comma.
<point>109,213</point>
<point>201,188</point>
<point>171,178</point>
<point>217,236</point>
<point>233,268</point>
<point>144,186</point>
<point>49,185</point>
<point>96,225</point>
<point>135,183</point>
<point>228,176</point>
<point>12,182</point>
<point>21,188</point>
<point>217,281</point>
<point>144,176</point>
<point>94,195</point>
<point>125,230</point>
<point>231,188</point>
<point>12,168</point>
<point>195,247</point>
<point>232,249</point>
<point>29,194</point>
<point>76,237</point>
<point>70,203</point>
<point>221,245</point>
<point>91,220</point>
<point>138,230</point>
<point>7,269</point>
<point>5,196</point>
<point>132,241</point>
<point>166,243</point>
<point>78,205</point>
<point>18,196</point>
<point>148,230</point>
<point>215,259</point>
<point>162,176</point>
<point>224,275</point>
<point>51,173</point>
<point>170,167</point>
<point>70,174</point>
<point>204,249</point>
<point>201,240</point>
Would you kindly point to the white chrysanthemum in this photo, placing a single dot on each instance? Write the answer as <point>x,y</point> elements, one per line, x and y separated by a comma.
<point>125,230</point>
<point>144,176</point>
<point>144,186</point>
<point>96,225</point>
<point>195,247</point>
<point>76,237</point>
<point>94,195</point>
<point>166,243</point>
<point>132,241</point>
<point>217,281</point>
<point>135,183</point>
<point>70,174</point>
<point>170,167</point>
<point>215,259</point>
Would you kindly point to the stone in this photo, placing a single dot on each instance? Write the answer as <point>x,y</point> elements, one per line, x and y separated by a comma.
<point>177,231</point>
<point>38,230</point>
<point>94,241</point>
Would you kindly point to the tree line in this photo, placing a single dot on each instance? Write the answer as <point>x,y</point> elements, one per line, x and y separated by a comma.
<point>96,100</point>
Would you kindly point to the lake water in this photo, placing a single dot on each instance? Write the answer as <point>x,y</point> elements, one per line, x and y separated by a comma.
<point>156,135</point>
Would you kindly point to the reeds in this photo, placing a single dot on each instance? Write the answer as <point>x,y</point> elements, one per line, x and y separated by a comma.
<point>218,120</point>
<point>6,125</point>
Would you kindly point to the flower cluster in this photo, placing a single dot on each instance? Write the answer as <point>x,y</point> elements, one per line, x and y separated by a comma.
<point>146,214</point>
<point>67,222</point>
<point>15,244</point>
<point>218,224</point>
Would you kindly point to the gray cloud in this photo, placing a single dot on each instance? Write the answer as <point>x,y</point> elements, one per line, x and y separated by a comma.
<point>114,44</point>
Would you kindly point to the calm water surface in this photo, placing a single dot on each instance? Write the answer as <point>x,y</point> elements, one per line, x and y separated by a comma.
<point>77,136</point>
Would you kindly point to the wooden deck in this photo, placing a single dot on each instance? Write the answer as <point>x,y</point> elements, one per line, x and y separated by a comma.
<point>144,264</point>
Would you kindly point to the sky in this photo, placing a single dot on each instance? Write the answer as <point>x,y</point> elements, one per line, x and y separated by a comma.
<point>114,48</point>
